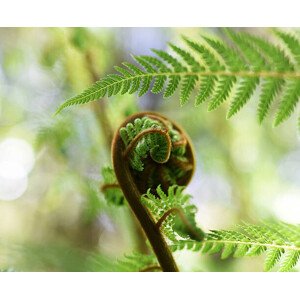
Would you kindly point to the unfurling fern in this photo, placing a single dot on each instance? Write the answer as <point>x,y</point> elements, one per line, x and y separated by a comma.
<point>280,242</point>
<point>158,152</point>
<point>151,136</point>
<point>149,150</point>
<point>216,71</point>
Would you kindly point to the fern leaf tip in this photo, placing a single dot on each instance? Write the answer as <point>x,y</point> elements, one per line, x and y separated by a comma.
<point>58,111</point>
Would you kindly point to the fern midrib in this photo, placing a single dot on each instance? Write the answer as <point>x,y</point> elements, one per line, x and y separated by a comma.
<point>260,74</point>
<point>285,247</point>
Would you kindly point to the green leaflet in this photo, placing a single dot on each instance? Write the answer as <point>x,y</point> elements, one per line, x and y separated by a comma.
<point>173,227</point>
<point>290,98</point>
<point>272,257</point>
<point>212,70</point>
<point>279,241</point>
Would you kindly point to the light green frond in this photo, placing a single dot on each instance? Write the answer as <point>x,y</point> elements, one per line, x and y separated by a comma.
<point>177,66</point>
<point>292,43</point>
<point>162,202</point>
<point>245,89</point>
<point>279,241</point>
<point>289,101</point>
<point>172,85</point>
<point>290,260</point>
<point>251,54</point>
<point>273,53</point>
<point>212,69</point>
<point>270,89</point>
<point>222,92</point>
<point>273,256</point>
<point>233,61</point>
<point>188,85</point>
<point>187,58</point>
<point>207,85</point>
<point>207,56</point>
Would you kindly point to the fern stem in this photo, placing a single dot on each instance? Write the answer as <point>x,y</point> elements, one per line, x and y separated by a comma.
<point>226,73</point>
<point>133,196</point>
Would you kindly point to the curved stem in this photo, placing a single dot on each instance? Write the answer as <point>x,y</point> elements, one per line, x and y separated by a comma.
<point>133,197</point>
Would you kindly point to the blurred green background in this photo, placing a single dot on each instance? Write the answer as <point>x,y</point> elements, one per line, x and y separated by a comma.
<point>53,216</point>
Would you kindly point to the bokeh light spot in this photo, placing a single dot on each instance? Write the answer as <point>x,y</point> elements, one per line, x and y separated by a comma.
<point>16,161</point>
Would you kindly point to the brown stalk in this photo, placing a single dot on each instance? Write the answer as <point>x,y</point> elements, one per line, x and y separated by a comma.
<point>133,196</point>
<point>134,184</point>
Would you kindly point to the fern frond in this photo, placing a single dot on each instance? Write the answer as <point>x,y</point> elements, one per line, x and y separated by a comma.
<point>188,85</point>
<point>134,262</point>
<point>232,60</point>
<point>207,56</point>
<point>161,203</point>
<point>292,43</point>
<point>137,262</point>
<point>290,260</point>
<point>273,256</point>
<point>289,101</point>
<point>244,92</point>
<point>254,59</point>
<point>206,89</point>
<point>187,58</point>
<point>279,240</point>
<point>213,70</point>
<point>270,89</point>
<point>222,92</point>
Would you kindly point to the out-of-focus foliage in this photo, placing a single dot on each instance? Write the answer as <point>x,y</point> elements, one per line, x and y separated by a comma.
<point>59,220</point>
<point>136,262</point>
<point>112,192</point>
